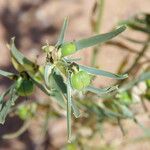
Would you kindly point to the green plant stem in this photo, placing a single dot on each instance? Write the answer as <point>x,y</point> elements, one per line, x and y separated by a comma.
<point>96,29</point>
<point>143,104</point>
<point>121,127</point>
<point>94,55</point>
<point>99,16</point>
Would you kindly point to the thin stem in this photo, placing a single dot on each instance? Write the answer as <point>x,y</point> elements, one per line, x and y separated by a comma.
<point>121,127</point>
<point>124,47</point>
<point>141,54</point>
<point>97,27</point>
<point>137,59</point>
<point>100,15</point>
<point>143,104</point>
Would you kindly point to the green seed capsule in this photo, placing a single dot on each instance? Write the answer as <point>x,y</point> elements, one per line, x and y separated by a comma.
<point>23,112</point>
<point>148,83</point>
<point>68,49</point>
<point>80,80</point>
<point>24,87</point>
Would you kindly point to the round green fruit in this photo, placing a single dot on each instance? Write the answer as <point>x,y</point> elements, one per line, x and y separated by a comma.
<point>148,83</point>
<point>23,112</point>
<point>24,87</point>
<point>80,80</point>
<point>68,49</point>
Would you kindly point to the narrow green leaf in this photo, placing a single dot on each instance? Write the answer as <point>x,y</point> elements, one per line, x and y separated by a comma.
<point>7,74</point>
<point>69,103</point>
<point>59,81</point>
<point>103,73</point>
<point>59,97</point>
<point>2,97</point>
<point>76,111</point>
<point>62,33</point>
<point>101,91</point>
<point>58,89</point>
<point>84,43</point>
<point>47,73</point>
<point>8,104</point>
<point>124,110</point>
<point>107,112</point>
<point>111,114</point>
<point>22,60</point>
<point>58,84</point>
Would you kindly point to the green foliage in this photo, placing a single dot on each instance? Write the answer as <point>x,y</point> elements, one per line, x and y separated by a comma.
<point>6,105</point>
<point>84,43</point>
<point>60,77</point>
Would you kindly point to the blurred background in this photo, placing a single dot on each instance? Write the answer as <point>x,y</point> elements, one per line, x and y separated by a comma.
<point>36,22</point>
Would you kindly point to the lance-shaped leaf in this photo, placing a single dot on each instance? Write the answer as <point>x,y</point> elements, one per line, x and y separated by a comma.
<point>21,59</point>
<point>59,98</point>
<point>102,111</point>
<point>101,91</point>
<point>58,89</point>
<point>47,73</point>
<point>76,111</point>
<point>8,104</point>
<point>124,110</point>
<point>7,74</point>
<point>59,82</point>
<point>99,72</point>
<point>61,87</point>
<point>69,103</point>
<point>98,39</point>
<point>62,33</point>
<point>144,76</point>
<point>110,114</point>
<point>3,96</point>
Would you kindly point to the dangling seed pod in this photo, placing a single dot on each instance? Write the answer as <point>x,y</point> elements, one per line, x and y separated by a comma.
<point>24,87</point>
<point>80,80</point>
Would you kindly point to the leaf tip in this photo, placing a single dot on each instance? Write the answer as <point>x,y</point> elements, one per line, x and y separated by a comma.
<point>125,76</point>
<point>2,122</point>
<point>13,39</point>
<point>122,27</point>
<point>77,115</point>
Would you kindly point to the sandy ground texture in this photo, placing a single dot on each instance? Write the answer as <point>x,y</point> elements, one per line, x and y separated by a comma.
<point>35,22</point>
